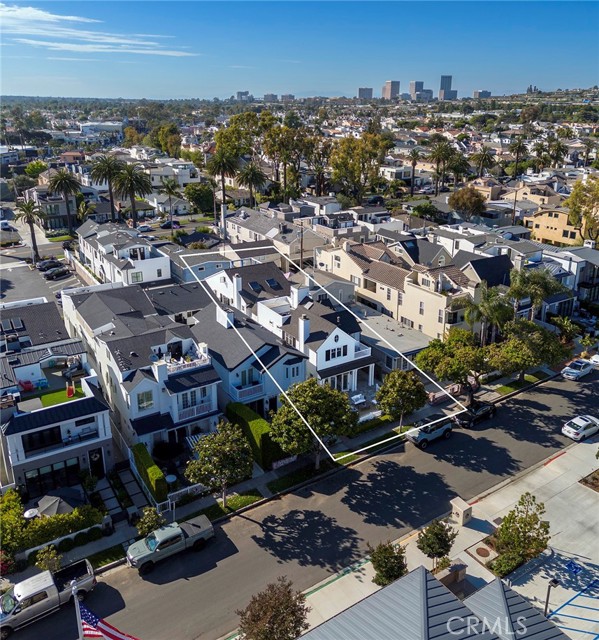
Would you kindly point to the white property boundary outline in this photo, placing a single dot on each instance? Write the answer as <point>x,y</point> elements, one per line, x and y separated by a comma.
<point>283,392</point>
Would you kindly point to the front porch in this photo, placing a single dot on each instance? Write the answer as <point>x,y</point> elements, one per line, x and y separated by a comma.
<point>348,377</point>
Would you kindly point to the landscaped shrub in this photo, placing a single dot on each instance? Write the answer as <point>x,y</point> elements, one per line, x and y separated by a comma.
<point>367,425</point>
<point>257,431</point>
<point>7,563</point>
<point>32,558</point>
<point>94,534</point>
<point>149,472</point>
<point>66,545</point>
<point>42,530</point>
<point>506,563</point>
<point>81,538</point>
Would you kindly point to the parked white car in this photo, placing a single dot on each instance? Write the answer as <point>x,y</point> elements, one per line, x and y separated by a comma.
<point>594,360</point>
<point>581,427</point>
<point>577,369</point>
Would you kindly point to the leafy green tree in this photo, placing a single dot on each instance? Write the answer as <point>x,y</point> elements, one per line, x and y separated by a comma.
<point>35,167</point>
<point>65,183</point>
<point>588,342</point>
<point>171,188</point>
<point>132,181</point>
<point>252,177</point>
<point>567,329</point>
<point>169,138</point>
<point>523,530</point>
<point>224,458</point>
<point>201,196</point>
<point>150,521</point>
<point>483,159</point>
<point>583,205</point>
<point>277,613</point>
<point>526,345</point>
<point>131,137</point>
<point>29,213</point>
<point>318,153</point>
<point>12,532</point>
<point>48,559</point>
<point>326,410</point>
<point>436,541</point>
<point>468,202</point>
<point>401,393</point>
<point>426,210</point>
<point>106,169</point>
<point>22,183</point>
<point>388,561</point>
<point>85,209</point>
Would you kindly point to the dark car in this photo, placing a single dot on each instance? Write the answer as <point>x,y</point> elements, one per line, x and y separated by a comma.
<point>167,225</point>
<point>477,412</point>
<point>68,244</point>
<point>45,265</point>
<point>376,200</point>
<point>58,272</point>
<point>442,428</point>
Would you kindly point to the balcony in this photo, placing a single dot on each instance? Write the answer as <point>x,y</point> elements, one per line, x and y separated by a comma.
<point>362,352</point>
<point>187,363</point>
<point>241,394</point>
<point>196,410</point>
<point>70,441</point>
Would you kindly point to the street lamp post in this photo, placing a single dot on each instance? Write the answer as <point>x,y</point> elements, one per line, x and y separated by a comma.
<point>552,583</point>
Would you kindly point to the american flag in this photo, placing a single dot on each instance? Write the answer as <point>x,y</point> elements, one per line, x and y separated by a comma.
<point>94,627</point>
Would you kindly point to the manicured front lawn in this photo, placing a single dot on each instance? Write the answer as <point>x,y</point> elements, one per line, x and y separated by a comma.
<point>529,378</point>
<point>112,554</point>
<point>60,396</point>
<point>234,503</point>
<point>59,239</point>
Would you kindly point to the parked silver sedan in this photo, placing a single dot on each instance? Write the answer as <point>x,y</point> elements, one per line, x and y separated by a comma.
<point>581,427</point>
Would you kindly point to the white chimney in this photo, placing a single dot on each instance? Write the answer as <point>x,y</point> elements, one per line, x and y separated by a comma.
<point>298,293</point>
<point>237,283</point>
<point>304,331</point>
<point>224,317</point>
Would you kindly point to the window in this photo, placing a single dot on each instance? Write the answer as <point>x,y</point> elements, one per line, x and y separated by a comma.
<point>388,293</point>
<point>400,297</point>
<point>84,421</point>
<point>159,273</point>
<point>390,362</point>
<point>145,400</point>
<point>420,328</point>
<point>421,308</point>
<point>356,280</point>
<point>565,234</point>
<point>537,225</point>
<point>292,372</point>
<point>426,282</point>
<point>441,315</point>
<point>137,276</point>
<point>572,234</point>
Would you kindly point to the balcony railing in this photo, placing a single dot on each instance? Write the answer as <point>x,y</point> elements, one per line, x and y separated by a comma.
<point>245,393</point>
<point>362,352</point>
<point>173,366</point>
<point>196,410</point>
<point>67,442</point>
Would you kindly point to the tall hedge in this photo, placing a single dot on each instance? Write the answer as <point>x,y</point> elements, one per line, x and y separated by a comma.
<point>150,472</point>
<point>257,431</point>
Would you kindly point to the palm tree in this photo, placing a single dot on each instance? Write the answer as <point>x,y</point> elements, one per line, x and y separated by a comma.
<point>518,148</point>
<point>536,284</point>
<point>170,186</point>
<point>224,164</point>
<point>440,154</point>
<point>459,166</point>
<point>540,151</point>
<point>84,210</point>
<point>414,157</point>
<point>557,151</point>
<point>252,177</point>
<point>484,159</point>
<point>132,181</point>
<point>106,169</point>
<point>65,183</point>
<point>492,311</point>
<point>589,145</point>
<point>29,213</point>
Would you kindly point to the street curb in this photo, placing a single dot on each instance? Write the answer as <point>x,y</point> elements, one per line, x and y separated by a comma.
<point>110,565</point>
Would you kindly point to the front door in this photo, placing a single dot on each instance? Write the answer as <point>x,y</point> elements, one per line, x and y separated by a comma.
<point>96,462</point>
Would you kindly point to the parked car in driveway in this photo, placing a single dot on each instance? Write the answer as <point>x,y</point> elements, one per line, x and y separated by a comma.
<point>144,228</point>
<point>44,265</point>
<point>56,273</point>
<point>594,360</point>
<point>477,412</point>
<point>431,432</point>
<point>581,427</point>
<point>577,369</point>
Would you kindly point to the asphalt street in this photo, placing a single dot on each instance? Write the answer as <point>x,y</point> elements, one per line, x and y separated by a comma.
<point>322,528</point>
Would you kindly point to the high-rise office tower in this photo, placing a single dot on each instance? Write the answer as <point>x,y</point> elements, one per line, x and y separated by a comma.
<point>271,97</point>
<point>391,90</point>
<point>365,93</point>
<point>445,90</point>
<point>416,86</point>
<point>481,93</point>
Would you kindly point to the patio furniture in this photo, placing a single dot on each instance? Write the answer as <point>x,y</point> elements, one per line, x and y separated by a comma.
<point>30,514</point>
<point>26,385</point>
<point>358,399</point>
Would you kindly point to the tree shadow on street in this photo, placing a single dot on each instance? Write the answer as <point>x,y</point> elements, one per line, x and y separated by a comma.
<point>397,495</point>
<point>476,454</point>
<point>309,538</point>
<point>5,286</point>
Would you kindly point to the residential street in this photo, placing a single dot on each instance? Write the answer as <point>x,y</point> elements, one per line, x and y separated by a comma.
<point>326,526</point>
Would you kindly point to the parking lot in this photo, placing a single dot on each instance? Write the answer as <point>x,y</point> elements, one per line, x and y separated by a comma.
<point>19,281</point>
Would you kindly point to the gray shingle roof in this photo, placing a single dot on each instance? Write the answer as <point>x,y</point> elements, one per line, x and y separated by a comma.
<point>261,274</point>
<point>178,298</point>
<point>188,381</point>
<point>40,322</point>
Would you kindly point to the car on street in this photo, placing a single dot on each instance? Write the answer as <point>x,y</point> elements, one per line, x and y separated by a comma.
<point>144,228</point>
<point>577,369</point>
<point>594,360</point>
<point>581,427</point>
<point>442,428</point>
<point>56,273</point>
<point>44,265</point>
<point>477,412</point>
<point>167,225</point>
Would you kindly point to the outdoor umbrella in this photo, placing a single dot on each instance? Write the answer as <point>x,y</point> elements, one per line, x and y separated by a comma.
<point>63,501</point>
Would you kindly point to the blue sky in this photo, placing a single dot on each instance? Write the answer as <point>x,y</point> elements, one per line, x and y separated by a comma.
<point>169,49</point>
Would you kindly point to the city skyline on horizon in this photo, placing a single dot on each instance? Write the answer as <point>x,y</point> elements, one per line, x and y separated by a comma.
<point>76,49</point>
